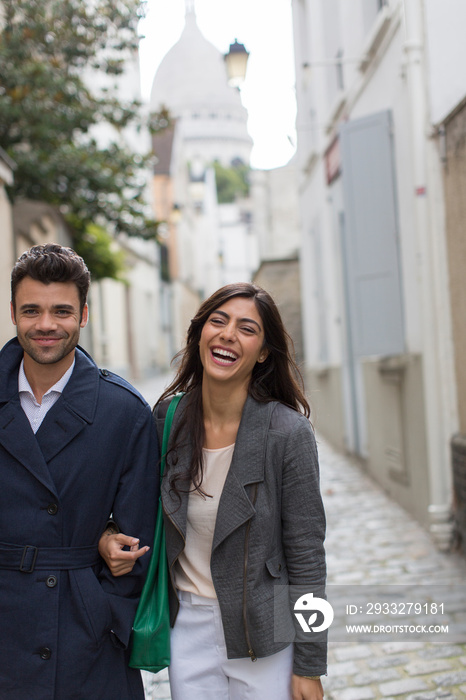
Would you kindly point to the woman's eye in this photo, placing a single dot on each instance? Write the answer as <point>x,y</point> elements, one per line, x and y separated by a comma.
<point>247,329</point>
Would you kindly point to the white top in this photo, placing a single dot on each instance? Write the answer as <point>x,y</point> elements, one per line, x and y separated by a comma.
<point>34,411</point>
<point>192,570</point>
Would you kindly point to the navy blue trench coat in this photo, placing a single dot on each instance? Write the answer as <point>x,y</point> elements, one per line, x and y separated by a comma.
<point>65,622</point>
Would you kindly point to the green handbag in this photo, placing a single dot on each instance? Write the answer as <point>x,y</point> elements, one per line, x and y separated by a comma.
<point>151,627</point>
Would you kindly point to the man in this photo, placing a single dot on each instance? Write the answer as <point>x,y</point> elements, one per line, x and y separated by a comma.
<point>77,444</point>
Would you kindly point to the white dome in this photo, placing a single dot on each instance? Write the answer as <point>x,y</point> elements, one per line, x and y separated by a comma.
<point>192,83</point>
<point>193,74</point>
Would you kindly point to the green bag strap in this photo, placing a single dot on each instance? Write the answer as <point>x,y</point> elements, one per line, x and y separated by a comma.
<point>167,426</point>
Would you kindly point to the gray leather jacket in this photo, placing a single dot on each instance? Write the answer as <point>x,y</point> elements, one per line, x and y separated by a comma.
<point>270,528</point>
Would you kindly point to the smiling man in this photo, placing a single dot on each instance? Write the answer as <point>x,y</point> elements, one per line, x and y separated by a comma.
<point>76,445</point>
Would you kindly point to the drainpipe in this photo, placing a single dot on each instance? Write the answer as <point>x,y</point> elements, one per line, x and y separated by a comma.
<point>430,280</point>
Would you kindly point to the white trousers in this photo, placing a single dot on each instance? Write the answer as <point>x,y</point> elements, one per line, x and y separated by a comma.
<point>200,669</point>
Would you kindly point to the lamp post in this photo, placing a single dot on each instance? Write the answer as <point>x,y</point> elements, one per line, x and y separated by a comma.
<point>236,61</point>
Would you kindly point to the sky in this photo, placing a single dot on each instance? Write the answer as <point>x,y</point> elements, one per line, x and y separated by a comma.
<point>265,28</point>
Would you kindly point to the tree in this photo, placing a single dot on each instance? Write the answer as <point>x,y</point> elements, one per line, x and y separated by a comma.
<point>97,249</point>
<point>231,182</point>
<point>48,111</point>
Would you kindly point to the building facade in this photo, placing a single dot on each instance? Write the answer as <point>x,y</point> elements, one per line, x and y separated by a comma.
<point>447,104</point>
<point>375,277</point>
<point>276,224</point>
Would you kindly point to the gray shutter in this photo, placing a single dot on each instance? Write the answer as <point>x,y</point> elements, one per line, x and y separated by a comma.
<point>371,236</point>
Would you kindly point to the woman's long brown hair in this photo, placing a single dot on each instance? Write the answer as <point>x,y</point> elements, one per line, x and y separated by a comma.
<point>276,379</point>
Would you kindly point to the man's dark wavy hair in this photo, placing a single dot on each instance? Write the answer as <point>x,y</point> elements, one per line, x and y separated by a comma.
<point>51,263</point>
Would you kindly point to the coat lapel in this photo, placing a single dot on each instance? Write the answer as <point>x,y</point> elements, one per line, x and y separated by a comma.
<point>17,437</point>
<point>247,467</point>
<point>73,411</point>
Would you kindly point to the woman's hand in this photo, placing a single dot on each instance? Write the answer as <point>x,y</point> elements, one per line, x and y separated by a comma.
<point>305,689</point>
<point>120,562</point>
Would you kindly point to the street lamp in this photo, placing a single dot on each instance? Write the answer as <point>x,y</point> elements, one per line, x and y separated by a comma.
<point>236,61</point>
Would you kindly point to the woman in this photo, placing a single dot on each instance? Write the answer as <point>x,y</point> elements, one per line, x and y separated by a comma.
<point>242,508</point>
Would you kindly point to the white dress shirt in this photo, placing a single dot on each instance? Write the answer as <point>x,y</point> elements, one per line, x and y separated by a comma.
<point>35,411</point>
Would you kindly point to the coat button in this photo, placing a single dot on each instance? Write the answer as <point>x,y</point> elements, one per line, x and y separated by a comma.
<point>45,653</point>
<point>51,581</point>
<point>52,509</point>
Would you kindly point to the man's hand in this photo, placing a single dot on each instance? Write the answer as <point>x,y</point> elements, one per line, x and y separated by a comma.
<point>120,562</point>
<point>305,689</point>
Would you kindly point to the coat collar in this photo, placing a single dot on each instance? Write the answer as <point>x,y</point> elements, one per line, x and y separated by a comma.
<point>247,467</point>
<point>68,416</point>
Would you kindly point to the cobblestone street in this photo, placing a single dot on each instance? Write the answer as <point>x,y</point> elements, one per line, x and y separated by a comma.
<point>372,540</point>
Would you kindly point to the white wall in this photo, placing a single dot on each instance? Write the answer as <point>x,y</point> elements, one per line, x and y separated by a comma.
<point>445,23</point>
<point>395,76</point>
<point>276,221</point>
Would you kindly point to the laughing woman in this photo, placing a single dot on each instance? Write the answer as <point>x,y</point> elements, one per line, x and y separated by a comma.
<point>242,508</point>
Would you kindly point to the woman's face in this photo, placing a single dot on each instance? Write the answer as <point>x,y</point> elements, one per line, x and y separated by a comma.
<point>232,341</point>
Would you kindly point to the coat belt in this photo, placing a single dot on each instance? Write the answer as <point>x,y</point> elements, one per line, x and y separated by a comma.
<point>27,558</point>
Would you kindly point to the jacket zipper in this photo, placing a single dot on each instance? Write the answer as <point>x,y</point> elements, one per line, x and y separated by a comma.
<point>245,583</point>
<point>251,653</point>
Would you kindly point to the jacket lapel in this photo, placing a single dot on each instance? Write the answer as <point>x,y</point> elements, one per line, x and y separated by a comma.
<point>247,467</point>
<point>73,411</point>
<point>17,437</point>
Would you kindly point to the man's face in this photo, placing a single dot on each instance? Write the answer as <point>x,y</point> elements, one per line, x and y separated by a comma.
<point>48,319</point>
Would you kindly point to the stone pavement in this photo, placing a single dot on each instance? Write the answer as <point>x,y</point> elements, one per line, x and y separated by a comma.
<point>372,540</point>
